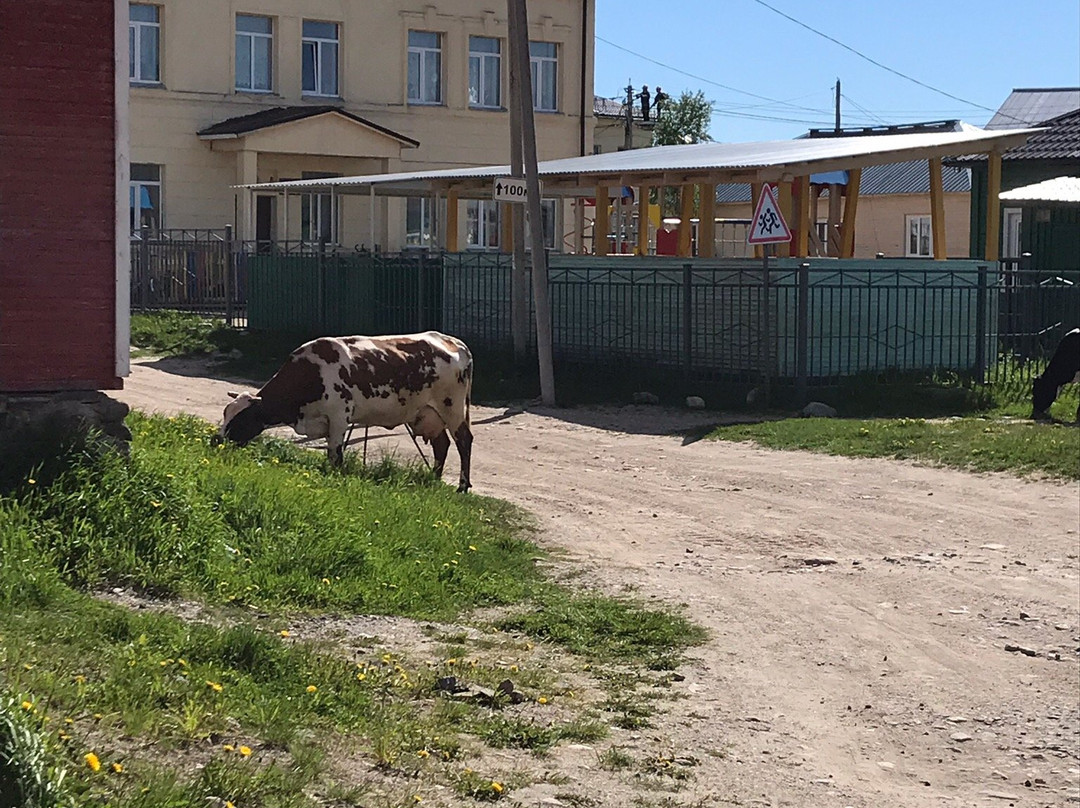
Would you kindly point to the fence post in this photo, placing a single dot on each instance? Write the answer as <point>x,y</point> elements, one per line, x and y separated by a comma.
<point>802,346</point>
<point>321,284</point>
<point>420,319</point>
<point>144,262</point>
<point>980,328</point>
<point>687,317</point>
<point>229,263</point>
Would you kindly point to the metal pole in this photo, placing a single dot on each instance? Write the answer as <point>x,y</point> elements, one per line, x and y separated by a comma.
<point>980,328</point>
<point>688,314</point>
<point>837,126</point>
<point>766,347</point>
<point>628,135</point>
<point>802,347</point>
<point>519,273</point>
<point>519,28</point>
<point>229,263</point>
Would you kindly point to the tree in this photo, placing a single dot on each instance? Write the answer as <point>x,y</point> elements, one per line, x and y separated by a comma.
<point>683,121</point>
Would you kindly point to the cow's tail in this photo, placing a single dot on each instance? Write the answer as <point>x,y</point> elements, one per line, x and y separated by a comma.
<point>468,388</point>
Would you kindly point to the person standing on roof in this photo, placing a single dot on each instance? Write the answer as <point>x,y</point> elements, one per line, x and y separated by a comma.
<point>643,96</point>
<point>660,100</point>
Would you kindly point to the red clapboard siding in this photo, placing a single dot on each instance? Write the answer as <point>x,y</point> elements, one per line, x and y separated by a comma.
<point>57,195</point>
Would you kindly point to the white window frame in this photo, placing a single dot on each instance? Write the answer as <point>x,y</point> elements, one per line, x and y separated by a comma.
<point>479,91</point>
<point>246,40</point>
<point>923,230</point>
<point>425,55</point>
<point>324,50</point>
<point>419,209</point>
<point>135,193</point>
<point>138,33</point>
<point>480,232</point>
<point>540,66</point>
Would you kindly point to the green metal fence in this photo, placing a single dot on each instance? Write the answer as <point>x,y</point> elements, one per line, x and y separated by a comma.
<point>805,323</point>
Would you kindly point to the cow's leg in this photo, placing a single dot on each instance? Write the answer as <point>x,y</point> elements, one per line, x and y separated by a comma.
<point>335,441</point>
<point>463,440</point>
<point>440,446</point>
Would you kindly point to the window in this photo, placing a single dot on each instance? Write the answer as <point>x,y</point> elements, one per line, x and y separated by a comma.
<point>484,73</point>
<point>920,242</point>
<point>320,58</point>
<point>544,63</point>
<point>254,52</point>
<point>482,220</point>
<point>144,44</point>
<point>144,197</point>
<point>547,216</point>
<point>419,224</point>
<point>318,213</point>
<point>425,68</point>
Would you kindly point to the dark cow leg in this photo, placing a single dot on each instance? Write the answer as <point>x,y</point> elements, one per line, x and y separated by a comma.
<point>463,440</point>
<point>440,446</point>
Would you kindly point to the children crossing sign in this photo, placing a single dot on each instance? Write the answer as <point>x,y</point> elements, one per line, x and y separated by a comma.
<point>768,226</point>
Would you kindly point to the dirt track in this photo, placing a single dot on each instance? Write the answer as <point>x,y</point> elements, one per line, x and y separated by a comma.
<point>882,679</point>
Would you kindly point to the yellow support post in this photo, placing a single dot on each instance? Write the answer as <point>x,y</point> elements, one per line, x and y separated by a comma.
<point>851,209</point>
<point>451,221</point>
<point>805,219</point>
<point>643,221</point>
<point>600,223</point>
<point>993,207</point>
<point>707,221</point>
<point>783,193</point>
<point>937,209</point>
<point>506,230</point>
<point>686,211</point>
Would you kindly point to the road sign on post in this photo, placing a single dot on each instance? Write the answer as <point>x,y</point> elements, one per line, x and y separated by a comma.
<point>768,226</point>
<point>511,189</point>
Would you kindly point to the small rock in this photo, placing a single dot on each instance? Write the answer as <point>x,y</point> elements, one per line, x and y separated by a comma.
<point>645,398</point>
<point>822,561</point>
<point>886,765</point>
<point>695,402</point>
<point>816,409</point>
<point>1002,775</point>
<point>1021,649</point>
<point>960,737</point>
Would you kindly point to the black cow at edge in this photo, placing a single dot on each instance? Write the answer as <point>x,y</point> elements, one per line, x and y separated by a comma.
<point>1064,367</point>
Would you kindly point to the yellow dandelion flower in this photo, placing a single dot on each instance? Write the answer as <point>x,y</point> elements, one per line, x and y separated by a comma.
<point>69,721</point>
<point>181,662</point>
<point>326,581</point>
<point>451,662</point>
<point>155,504</point>
<point>63,736</point>
<point>284,632</point>
<point>514,668</point>
<point>98,716</point>
<point>217,688</point>
<point>311,688</point>
<point>417,798</point>
<point>92,761</point>
<point>80,679</point>
<point>361,677</point>
<point>387,657</point>
<point>116,767</point>
<point>32,481</point>
<point>27,666</point>
<point>229,804</point>
<point>245,751</point>
<point>423,753</point>
<point>496,786</point>
<point>472,547</point>
<point>28,705</point>
<point>542,700</point>
<point>228,747</point>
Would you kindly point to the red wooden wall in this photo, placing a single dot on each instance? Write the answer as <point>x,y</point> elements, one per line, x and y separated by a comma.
<point>57,195</point>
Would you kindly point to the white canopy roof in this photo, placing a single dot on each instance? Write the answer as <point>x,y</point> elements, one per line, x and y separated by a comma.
<point>1060,189</point>
<point>769,161</point>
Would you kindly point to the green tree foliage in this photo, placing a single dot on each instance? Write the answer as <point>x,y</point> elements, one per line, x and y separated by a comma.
<point>685,120</point>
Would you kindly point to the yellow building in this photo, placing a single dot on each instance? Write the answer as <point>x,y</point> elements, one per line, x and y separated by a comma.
<point>226,94</point>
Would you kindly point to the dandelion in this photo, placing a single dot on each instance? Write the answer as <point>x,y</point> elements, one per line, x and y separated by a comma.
<point>27,666</point>
<point>63,736</point>
<point>229,804</point>
<point>514,668</point>
<point>69,721</point>
<point>417,798</point>
<point>155,504</point>
<point>496,786</point>
<point>451,662</point>
<point>284,633</point>
<point>387,657</point>
<point>92,761</point>
<point>80,679</point>
<point>542,700</point>
<point>217,688</point>
<point>245,751</point>
<point>28,705</point>
<point>311,688</point>
<point>326,581</point>
<point>116,767</point>
<point>423,753</point>
<point>361,677</point>
<point>228,747</point>
<point>472,547</point>
<point>32,481</point>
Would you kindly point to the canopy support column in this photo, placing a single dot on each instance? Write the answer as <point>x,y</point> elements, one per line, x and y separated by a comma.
<point>993,206</point>
<point>707,221</point>
<point>832,235</point>
<point>805,219</point>
<point>371,216</point>
<point>451,238</point>
<point>937,209</point>
<point>783,194</point>
<point>600,223</point>
<point>851,208</point>
<point>643,221</point>
<point>686,210</point>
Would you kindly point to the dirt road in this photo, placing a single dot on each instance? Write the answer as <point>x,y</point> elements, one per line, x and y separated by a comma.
<point>862,612</point>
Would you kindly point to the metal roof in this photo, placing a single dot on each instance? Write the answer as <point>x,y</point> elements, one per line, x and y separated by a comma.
<point>1028,107</point>
<point>1060,190</point>
<point>1057,139</point>
<point>715,163</point>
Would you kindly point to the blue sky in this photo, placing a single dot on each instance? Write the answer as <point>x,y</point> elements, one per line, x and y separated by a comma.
<point>975,51</point>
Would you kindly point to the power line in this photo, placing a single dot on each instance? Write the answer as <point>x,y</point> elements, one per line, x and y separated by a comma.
<point>874,62</point>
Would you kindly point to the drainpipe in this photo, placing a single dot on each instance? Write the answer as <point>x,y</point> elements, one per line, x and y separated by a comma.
<point>584,70</point>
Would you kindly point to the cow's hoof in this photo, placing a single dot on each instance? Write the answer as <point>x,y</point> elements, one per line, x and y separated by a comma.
<point>463,488</point>
<point>1040,416</point>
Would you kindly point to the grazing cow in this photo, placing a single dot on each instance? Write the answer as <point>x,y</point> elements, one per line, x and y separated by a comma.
<point>1064,367</point>
<point>331,383</point>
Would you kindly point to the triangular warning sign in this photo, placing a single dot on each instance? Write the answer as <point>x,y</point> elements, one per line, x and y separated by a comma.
<point>768,226</point>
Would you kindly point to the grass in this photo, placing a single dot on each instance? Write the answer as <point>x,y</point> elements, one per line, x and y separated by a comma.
<point>177,712</point>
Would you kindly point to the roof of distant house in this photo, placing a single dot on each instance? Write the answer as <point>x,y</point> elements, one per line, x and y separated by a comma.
<point>611,108</point>
<point>1058,140</point>
<point>1028,107</point>
<point>246,124</point>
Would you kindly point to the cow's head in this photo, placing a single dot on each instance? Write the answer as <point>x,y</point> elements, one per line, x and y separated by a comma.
<point>244,418</point>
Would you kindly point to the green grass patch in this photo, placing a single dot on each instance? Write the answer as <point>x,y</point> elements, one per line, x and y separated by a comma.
<point>975,444</point>
<point>168,707</point>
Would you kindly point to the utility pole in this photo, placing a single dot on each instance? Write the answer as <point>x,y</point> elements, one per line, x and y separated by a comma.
<point>837,127</point>
<point>519,278</point>
<point>628,136</point>
<point>519,37</point>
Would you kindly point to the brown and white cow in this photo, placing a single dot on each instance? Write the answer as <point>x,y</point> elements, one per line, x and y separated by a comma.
<point>332,383</point>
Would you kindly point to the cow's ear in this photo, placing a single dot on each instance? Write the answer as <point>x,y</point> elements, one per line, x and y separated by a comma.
<point>232,394</point>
